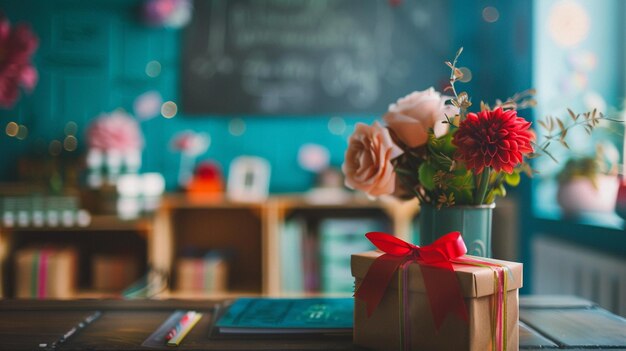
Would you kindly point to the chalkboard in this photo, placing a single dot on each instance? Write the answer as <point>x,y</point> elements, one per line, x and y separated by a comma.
<point>291,57</point>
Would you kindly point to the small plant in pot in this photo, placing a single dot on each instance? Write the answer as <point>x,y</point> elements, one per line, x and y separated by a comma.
<point>589,184</point>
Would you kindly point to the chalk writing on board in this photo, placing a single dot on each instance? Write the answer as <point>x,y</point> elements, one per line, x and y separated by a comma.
<point>306,56</point>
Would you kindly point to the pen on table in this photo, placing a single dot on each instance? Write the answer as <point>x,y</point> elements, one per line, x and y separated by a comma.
<point>83,324</point>
<point>80,326</point>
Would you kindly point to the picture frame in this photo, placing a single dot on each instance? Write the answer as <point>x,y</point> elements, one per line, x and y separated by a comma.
<point>248,179</point>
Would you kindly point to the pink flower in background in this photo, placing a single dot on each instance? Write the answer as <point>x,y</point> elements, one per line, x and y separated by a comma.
<point>367,165</point>
<point>115,131</point>
<point>148,105</point>
<point>17,45</point>
<point>191,143</point>
<point>412,116</point>
<point>167,13</point>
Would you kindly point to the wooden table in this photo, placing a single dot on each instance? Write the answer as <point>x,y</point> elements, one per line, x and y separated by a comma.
<point>546,323</point>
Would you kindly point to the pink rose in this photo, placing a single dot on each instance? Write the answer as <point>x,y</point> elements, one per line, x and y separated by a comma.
<point>367,165</point>
<point>413,115</point>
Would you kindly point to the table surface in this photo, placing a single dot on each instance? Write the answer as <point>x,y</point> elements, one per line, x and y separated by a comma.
<point>546,322</point>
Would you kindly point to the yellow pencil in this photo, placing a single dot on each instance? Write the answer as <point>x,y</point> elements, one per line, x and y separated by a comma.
<point>180,335</point>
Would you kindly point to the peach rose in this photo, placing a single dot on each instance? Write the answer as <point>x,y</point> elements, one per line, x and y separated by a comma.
<point>413,115</point>
<point>367,165</point>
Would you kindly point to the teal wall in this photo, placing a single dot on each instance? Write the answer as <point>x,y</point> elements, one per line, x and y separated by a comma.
<point>93,54</point>
<point>92,59</point>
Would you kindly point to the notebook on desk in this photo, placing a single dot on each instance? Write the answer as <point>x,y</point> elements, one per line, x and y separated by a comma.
<point>263,316</point>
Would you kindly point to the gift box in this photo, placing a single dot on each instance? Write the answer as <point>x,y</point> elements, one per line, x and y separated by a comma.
<point>403,319</point>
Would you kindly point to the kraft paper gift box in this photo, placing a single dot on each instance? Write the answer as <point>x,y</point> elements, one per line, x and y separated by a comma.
<point>382,330</point>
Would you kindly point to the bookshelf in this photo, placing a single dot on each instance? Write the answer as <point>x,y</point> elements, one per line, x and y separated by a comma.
<point>253,231</point>
<point>106,234</point>
<point>249,233</point>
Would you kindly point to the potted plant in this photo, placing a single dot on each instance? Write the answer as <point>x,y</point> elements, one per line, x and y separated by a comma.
<point>588,183</point>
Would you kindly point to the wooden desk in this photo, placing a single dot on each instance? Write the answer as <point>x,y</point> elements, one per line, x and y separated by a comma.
<point>546,322</point>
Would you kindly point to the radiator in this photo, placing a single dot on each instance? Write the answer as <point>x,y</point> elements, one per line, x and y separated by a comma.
<point>563,268</point>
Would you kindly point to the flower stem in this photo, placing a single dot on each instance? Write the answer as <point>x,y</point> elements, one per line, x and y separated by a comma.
<point>408,186</point>
<point>483,185</point>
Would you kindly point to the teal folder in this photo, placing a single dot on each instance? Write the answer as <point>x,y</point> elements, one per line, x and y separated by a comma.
<point>290,316</point>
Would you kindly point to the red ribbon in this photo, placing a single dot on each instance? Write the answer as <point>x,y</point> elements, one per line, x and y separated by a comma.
<point>441,284</point>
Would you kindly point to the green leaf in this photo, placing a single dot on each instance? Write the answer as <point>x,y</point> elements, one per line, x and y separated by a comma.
<point>465,197</point>
<point>442,145</point>
<point>426,176</point>
<point>463,180</point>
<point>443,162</point>
<point>491,196</point>
<point>512,179</point>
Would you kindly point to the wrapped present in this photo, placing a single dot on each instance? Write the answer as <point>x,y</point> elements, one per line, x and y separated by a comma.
<point>434,297</point>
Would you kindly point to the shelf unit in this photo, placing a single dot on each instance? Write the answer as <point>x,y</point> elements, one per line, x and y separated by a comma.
<point>252,230</point>
<point>105,233</point>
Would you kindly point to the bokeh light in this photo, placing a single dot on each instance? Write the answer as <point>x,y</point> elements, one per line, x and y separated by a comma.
<point>467,74</point>
<point>148,105</point>
<point>337,126</point>
<point>236,127</point>
<point>70,143</point>
<point>71,128</point>
<point>55,148</point>
<point>22,132</point>
<point>313,157</point>
<point>169,109</point>
<point>11,129</point>
<point>569,23</point>
<point>153,69</point>
<point>491,14</point>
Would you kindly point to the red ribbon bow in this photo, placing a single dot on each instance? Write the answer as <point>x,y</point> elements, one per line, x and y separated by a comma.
<point>441,284</point>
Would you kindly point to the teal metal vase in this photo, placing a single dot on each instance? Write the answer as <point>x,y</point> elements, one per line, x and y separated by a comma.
<point>474,223</point>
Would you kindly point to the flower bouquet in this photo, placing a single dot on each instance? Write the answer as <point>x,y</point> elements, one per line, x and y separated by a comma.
<point>18,44</point>
<point>433,148</point>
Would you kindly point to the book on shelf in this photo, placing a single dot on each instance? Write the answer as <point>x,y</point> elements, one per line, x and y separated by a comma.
<point>319,260</point>
<point>205,274</point>
<point>114,272</point>
<point>249,316</point>
<point>339,237</point>
<point>310,262</point>
<point>46,272</point>
<point>291,273</point>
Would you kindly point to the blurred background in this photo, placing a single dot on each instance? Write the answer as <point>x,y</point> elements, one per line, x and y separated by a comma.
<point>192,148</point>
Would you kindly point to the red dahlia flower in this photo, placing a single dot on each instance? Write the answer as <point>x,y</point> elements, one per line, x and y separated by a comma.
<point>497,139</point>
<point>17,45</point>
